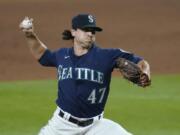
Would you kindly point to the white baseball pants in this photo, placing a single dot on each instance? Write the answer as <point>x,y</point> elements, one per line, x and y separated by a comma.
<point>59,126</point>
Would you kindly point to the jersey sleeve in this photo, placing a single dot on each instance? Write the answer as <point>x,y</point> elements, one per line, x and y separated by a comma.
<point>48,59</point>
<point>116,53</point>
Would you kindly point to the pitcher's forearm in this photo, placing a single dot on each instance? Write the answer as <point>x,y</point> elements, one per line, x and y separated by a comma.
<point>37,48</point>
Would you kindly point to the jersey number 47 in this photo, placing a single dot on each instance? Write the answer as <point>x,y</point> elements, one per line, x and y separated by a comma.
<point>93,96</point>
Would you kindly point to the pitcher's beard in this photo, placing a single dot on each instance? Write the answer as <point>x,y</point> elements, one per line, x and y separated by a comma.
<point>87,45</point>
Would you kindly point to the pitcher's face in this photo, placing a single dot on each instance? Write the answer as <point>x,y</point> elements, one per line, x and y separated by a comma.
<point>84,37</point>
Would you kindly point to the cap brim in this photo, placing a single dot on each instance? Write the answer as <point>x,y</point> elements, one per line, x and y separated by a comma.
<point>93,27</point>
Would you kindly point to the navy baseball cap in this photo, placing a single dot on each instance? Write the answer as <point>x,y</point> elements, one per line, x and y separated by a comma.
<point>85,21</point>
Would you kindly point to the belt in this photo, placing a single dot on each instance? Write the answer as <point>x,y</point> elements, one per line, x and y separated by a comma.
<point>82,123</point>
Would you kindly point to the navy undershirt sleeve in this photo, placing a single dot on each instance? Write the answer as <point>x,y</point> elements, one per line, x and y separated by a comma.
<point>116,53</point>
<point>48,59</point>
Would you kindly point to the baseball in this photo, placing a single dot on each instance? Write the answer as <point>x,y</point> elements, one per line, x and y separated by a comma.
<point>26,23</point>
<point>126,63</point>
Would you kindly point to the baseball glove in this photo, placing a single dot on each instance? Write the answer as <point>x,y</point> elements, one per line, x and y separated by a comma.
<point>132,72</point>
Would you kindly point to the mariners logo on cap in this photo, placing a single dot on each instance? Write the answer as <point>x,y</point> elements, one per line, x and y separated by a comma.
<point>91,19</point>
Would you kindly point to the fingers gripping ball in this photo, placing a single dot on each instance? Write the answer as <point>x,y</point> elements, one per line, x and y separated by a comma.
<point>132,72</point>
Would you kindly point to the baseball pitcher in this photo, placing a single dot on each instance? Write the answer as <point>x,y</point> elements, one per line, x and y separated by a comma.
<point>84,76</point>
